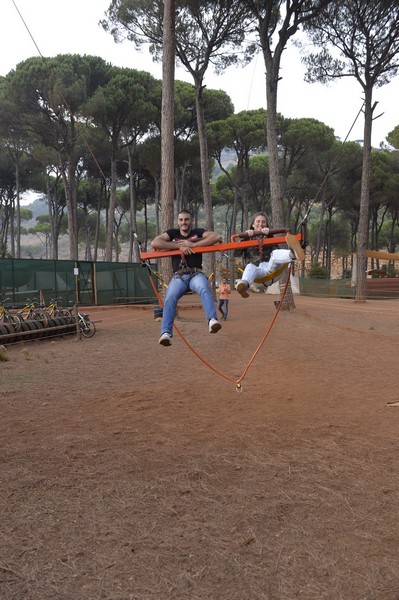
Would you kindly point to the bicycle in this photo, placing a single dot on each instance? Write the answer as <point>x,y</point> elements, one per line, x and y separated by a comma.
<point>87,327</point>
<point>53,311</point>
<point>31,312</point>
<point>8,317</point>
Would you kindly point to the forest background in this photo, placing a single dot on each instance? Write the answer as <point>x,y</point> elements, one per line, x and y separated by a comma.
<point>86,134</point>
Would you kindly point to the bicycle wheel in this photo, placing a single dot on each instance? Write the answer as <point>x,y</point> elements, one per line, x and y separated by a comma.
<point>15,322</point>
<point>25,328</point>
<point>31,326</point>
<point>58,322</point>
<point>87,328</point>
<point>41,329</point>
<point>64,312</point>
<point>7,329</point>
<point>3,331</point>
<point>40,315</point>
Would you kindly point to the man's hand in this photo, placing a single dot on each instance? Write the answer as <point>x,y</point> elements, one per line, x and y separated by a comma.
<point>185,243</point>
<point>185,246</point>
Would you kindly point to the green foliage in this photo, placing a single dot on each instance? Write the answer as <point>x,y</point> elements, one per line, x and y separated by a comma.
<point>144,231</point>
<point>202,30</point>
<point>95,88</point>
<point>317,271</point>
<point>366,35</point>
<point>389,236</point>
<point>340,236</point>
<point>25,214</point>
<point>4,252</point>
<point>393,137</point>
<point>42,225</point>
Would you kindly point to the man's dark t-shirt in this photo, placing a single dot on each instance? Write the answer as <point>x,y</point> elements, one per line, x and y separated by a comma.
<point>191,260</point>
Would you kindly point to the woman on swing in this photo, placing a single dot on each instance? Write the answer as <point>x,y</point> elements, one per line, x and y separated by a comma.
<point>266,260</point>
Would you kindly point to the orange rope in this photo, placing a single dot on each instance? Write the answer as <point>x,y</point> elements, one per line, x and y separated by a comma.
<point>239,380</point>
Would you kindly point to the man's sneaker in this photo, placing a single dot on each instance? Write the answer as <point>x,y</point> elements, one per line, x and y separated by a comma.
<point>214,326</point>
<point>242,289</point>
<point>165,339</point>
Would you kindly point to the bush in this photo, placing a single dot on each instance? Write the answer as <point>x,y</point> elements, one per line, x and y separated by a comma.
<point>386,271</point>
<point>317,271</point>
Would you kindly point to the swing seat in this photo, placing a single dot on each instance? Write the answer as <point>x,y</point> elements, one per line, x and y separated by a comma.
<point>272,275</point>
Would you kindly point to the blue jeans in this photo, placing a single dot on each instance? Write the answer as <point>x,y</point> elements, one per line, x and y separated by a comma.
<point>180,285</point>
<point>225,304</point>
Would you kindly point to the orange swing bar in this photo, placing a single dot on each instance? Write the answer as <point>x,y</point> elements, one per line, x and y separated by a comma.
<point>223,247</point>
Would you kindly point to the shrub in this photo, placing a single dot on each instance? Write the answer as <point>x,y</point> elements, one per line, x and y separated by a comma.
<point>317,271</point>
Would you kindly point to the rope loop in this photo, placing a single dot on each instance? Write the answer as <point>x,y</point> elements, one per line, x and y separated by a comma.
<point>237,382</point>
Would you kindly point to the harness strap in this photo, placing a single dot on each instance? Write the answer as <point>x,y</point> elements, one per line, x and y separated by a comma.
<point>183,262</point>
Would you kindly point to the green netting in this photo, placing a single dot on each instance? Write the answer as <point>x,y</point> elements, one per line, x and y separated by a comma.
<point>326,288</point>
<point>84,282</point>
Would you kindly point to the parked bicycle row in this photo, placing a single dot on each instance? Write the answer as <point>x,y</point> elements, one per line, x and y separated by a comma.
<point>35,320</point>
<point>32,311</point>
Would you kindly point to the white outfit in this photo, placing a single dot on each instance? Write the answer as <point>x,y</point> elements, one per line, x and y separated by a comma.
<point>276,260</point>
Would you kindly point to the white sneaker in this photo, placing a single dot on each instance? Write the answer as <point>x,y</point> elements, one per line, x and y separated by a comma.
<point>165,339</point>
<point>242,289</point>
<point>214,326</point>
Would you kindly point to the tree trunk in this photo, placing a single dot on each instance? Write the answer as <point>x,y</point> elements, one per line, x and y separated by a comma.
<point>157,202</point>
<point>204,155</point>
<point>364,200</point>
<point>208,259</point>
<point>112,205</point>
<point>276,192</point>
<point>71,194</point>
<point>18,209</point>
<point>134,254</point>
<point>167,125</point>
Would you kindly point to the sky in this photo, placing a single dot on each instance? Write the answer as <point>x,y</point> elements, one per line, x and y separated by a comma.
<point>50,27</point>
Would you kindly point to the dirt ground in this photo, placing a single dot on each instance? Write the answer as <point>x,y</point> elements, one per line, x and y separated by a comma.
<point>130,471</point>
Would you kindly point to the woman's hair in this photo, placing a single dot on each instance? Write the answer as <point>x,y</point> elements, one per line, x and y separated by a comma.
<point>260,214</point>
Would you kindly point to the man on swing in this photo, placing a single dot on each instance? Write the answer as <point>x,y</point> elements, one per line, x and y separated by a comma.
<point>187,273</point>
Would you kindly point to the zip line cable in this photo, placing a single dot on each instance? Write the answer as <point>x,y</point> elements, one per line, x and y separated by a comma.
<point>334,162</point>
<point>27,28</point>
<point>81,135</point>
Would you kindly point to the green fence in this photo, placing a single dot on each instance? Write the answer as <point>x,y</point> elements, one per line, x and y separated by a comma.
<point>326,288</point>
<point>382,288</point>
<point>83,282</point>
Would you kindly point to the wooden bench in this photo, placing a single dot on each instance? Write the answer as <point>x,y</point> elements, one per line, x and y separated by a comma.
<point>382,287</point>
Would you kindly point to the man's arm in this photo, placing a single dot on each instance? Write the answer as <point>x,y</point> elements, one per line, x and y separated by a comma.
<point>208,239</point>
<point>163,242</point>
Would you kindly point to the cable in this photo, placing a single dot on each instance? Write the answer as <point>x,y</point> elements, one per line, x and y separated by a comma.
<point>238,381</point>
<point>333,163</point>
